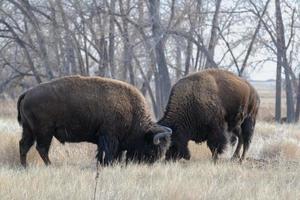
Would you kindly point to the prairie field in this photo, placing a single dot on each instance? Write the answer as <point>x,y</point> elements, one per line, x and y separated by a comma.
<point>271,171</point>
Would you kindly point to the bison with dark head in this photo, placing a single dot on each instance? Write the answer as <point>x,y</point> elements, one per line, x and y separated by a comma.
<point>205,106</point>
<point>106,112</point>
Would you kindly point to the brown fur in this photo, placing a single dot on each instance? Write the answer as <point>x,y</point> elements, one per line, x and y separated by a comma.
<point>204,106</point>
<point>107,112</point>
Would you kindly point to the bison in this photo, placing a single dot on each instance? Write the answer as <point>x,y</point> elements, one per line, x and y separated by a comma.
<point>206,106</point>
<point>106,112</point>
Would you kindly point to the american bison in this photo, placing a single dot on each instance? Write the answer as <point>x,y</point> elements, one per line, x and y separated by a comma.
<point>206,106</point>
<point>106,112</point>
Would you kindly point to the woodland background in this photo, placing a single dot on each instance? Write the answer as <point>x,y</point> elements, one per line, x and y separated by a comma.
<point>150,44</point>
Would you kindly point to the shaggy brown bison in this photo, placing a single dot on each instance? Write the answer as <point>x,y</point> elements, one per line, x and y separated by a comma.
<point>205,106</point>
<point>106,112</point>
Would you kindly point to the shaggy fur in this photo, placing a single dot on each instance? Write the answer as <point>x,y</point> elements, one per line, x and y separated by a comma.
<point>204,106</point>
<point>106,112</point>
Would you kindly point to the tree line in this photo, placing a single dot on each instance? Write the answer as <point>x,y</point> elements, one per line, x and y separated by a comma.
<point>149,44</point>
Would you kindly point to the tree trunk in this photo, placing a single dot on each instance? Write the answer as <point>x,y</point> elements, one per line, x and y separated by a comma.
<point>297,113</point>
<point>69,47</point>
<point>282,61</point>
<point>213,34</point>
<point>188,57</point>
<point>163,82</point>
<point>55,36</point>
<point>178,59</point>
<point>278,89</point>
<point>104,57</point>
<point>79,55</point>
<point>84,67</point>
<point>151,62</point>
<point>127,50</point>
<point>128,54</point>
<point>111,47</point>
<point>290,111</point>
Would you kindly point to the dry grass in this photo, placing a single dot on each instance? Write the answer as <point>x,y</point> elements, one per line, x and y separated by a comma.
<point>194,180</point>
<point>8,108</point>
<point>267,105</point>
<point>271,172</point>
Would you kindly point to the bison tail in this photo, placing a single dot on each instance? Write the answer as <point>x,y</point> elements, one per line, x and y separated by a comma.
<point>19,109</point>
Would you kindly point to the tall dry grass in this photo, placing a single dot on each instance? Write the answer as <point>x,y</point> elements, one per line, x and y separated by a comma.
<point>194,180</point>
<point>272,171</point>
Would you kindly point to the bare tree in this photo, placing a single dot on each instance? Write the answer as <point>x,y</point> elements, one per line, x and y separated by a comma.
<point>282,61</point>
<point>150,44</point>
<point>213,34</point>
<point>111,47</point>
<point>162,78</point>
<point>26,9</point>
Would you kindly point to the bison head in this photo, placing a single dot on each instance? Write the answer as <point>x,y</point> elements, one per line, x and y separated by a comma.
<point>152,146</point>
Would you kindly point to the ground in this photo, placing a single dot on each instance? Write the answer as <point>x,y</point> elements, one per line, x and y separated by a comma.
<point>271,171</point>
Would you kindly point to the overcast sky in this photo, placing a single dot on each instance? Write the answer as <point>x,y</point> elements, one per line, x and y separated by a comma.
<point>265,73</point>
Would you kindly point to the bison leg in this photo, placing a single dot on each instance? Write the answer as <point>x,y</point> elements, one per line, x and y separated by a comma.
<point>107,149</point>
<point>237,132</point>
<point>247,133</point>
<point>236,154</point>
<point>25,144</point>
<point>233,140</point>
<point>43,145</point>
<point>178,149</point>
<point>216,142</point>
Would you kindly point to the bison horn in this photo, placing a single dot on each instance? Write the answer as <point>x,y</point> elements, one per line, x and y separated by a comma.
<point>167,132</point>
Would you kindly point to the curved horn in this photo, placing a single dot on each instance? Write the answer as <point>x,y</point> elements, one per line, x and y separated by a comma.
<point>167,132</point>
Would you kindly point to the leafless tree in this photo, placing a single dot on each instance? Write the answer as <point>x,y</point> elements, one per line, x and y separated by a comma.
<point>149,44</point>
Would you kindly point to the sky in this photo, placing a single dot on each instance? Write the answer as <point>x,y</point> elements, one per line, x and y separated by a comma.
<point>268,71</point>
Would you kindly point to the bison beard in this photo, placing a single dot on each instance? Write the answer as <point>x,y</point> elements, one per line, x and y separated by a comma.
<point>205,106</point>
<point>106,112</point>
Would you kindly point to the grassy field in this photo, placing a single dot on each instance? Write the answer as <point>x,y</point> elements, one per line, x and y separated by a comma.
<point>272,170</point>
